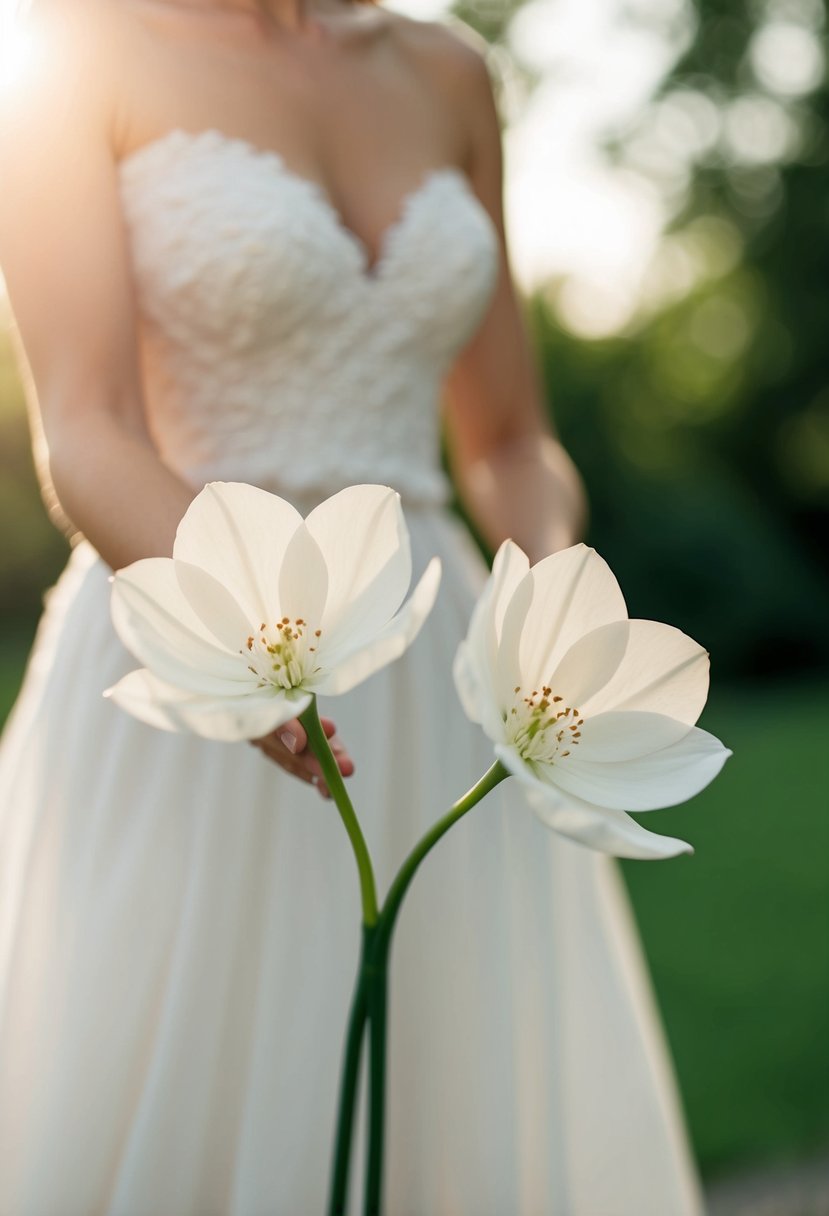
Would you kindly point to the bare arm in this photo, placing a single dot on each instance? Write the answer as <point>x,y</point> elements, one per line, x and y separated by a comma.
<point>65,258</point>
<point>513,475</point>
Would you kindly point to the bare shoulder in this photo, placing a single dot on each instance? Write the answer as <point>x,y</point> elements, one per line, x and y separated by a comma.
<point>68,69</point>
<point>453,63</point>
<point>454,55</point>
<point>454,45</point>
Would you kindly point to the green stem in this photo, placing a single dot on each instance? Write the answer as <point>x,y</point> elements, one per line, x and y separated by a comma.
<point>310,719</point>
<point>397,891</point>
<point>377,999</point>
<point>378,972</point>
<point>369,1002</point>
<point>348,1084</point>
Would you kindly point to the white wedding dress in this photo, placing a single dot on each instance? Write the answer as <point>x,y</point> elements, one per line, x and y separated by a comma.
<point>179,920</point>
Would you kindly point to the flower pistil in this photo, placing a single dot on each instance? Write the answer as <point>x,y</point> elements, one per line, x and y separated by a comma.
<point>540,730</point>
<point>282,656</point>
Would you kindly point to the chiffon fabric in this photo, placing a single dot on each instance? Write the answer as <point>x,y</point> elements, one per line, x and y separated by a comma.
<point>179,919</point>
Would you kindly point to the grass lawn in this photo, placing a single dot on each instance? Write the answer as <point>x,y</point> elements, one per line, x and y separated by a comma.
<point>738,934</point>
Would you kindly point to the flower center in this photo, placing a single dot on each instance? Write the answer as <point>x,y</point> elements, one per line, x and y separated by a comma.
<point>282,655</point>
<point>542,728</point>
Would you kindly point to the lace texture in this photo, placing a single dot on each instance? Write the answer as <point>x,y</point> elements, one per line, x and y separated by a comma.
<point>273,352</point>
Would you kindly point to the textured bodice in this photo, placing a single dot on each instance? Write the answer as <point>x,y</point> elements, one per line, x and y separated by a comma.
<point>273,352</point>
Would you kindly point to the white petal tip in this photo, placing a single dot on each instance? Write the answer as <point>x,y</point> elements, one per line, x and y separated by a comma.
<point>508,545</point>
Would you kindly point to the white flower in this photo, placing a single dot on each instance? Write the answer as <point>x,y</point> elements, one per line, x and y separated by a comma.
<point>593,712</point>
<point>258,609</point>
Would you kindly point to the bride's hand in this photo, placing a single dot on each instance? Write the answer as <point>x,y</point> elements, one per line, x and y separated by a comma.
<point>288,747</point>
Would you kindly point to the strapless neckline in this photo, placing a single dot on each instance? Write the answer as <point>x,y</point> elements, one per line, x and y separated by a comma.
<point>272,351</point>
<point>179,139</point>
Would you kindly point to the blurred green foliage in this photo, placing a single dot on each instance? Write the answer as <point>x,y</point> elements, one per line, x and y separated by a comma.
<point>703,429</point>
<point>31,549</point>
<point>698,532</point>
<point>736,935</point>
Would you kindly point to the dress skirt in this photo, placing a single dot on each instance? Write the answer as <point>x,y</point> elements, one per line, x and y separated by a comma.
<point>179,933</point>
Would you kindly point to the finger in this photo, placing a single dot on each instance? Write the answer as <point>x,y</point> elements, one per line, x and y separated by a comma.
<point>275,750</point>
<point>344,762</point>
<point>292,736</point>
<point>311,765</point>
<point>301,763</point>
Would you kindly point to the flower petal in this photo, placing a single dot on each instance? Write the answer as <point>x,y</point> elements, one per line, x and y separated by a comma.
<point>663,671</point>
<point>510,566</point>
<point>239,534</point>
<point>661,778</point>
<point>345,671</point>
<point>619,735</point>
<point>605,830</point>
<point>467,676</point>
<point>570,593</point>
<point>595,827</point>
<point>476,664</point>
<point>494,644</point>
<point>365,543</point>
<point>303,579</point>
<point>156,623</point>
<point>508,569</point>
<point>590,663</point>
<point>227,719</point>
<point>214,605</point>
<point>516,764</point>
<point>476,699</point>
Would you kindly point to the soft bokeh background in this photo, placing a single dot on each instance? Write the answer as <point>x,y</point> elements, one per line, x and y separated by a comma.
<point>668,208</point>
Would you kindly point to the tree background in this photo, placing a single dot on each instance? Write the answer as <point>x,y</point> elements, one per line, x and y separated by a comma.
<point>702,423</point>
